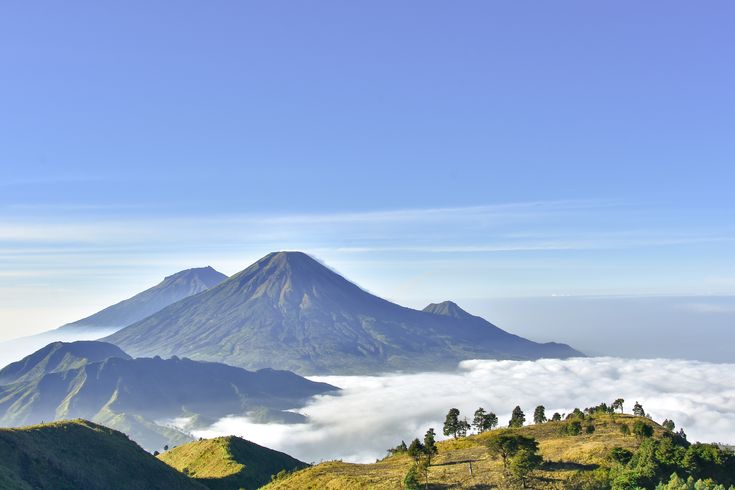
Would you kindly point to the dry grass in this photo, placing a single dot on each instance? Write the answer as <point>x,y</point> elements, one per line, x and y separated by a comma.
<point>565,457</point>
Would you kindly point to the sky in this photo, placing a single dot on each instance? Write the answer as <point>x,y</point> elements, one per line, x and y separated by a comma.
<point>500,154</point>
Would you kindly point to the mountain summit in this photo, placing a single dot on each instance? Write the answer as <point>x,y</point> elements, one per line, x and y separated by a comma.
<point>172,289</point>
<point>447,308</point>
<point>289,311</point>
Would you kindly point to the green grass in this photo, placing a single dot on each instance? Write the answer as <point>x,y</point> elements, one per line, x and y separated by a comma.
<point>229,462</point>
<point>72,455</point>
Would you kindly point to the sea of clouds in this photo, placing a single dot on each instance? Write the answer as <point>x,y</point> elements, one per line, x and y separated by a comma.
<point>373,413</point>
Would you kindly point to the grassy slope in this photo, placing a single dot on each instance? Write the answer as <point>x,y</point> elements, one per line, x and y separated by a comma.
<point>79,454</point>
<point>565,456</point>
<point>229,462</point>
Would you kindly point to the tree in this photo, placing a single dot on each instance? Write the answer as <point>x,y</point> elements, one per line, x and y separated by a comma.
<point>573,428</point>
<point>507,445</point>
<point>539,415</point>
<point>462,427</point>
<point>523,463</point>
<point>165,448</point>
<point>517,418</point>
<point>618,404</point>
<point>638,410</point>
<point>491,421</point>
<point>401,448</point>
<point>669,425</point>
<point>478,422</point>
<point>621,455</point>
<point>415,450</point>
<point>642,430</point>
<point>451,423</point>
<point>556,417</point>
<point>430,448</point>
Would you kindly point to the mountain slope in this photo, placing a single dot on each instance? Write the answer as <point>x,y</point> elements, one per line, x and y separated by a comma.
<point>288,311</point>
<point>133,394</point>
<point>172,289</point>
<point>72,455</point>
<point>229,462</point>
<point>59,356</point>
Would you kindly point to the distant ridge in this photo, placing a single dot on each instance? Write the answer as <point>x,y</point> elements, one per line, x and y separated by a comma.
<point>111,319</point>
<point>172,289</point>
<point>288,311</point>
<point>99,382</point>
<point>59,356</point>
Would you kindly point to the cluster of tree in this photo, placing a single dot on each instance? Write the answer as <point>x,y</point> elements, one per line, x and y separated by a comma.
<point>481,422</point>
<point>519,454</point>
<point>575,428</point>
<point>453,426</point>
<point>677,483</point>
<point>658,458</point>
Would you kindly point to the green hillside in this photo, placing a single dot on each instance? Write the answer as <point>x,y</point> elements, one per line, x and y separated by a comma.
<point>583,461</point>
<point>229,462</point>
<point>131,395</point>
<point>73,455</point>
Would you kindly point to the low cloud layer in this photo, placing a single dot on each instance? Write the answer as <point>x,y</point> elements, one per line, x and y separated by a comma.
<point>376,412</point>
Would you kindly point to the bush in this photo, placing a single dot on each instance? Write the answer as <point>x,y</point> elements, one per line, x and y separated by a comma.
<point>411,481</point>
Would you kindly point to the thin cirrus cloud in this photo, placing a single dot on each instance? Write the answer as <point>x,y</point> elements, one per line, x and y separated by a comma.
<point>522,248</point>
<point>373,413</point>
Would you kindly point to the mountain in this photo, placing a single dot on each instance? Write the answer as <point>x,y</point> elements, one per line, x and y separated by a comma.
<point>137,396</point>
<point>288,311</point>
<point>111,319</point>
<point>77,454</point>
<point>59,356</point>
<point>229,462</point>
<point>172,289</point>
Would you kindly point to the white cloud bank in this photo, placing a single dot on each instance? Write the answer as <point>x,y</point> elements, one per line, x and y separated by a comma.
<point>376,412</point>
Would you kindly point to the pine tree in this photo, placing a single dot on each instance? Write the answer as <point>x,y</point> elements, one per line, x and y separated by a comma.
<point>539,415</point>
<point>638,410</point>
<point>517,418</point>
<point>478,422</point>
<point>451,423</point>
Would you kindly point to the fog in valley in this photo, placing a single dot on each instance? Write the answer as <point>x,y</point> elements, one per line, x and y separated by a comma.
<point>374,413</point>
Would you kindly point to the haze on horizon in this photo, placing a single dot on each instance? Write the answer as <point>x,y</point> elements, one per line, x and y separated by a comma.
<point>537,165</point>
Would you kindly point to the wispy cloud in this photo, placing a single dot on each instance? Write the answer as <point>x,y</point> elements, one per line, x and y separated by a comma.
<point>546,244</point>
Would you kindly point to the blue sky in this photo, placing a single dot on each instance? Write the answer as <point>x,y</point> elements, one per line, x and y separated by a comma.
<point>426,150</point>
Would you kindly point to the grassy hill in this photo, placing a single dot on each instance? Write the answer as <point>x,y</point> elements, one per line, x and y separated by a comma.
<point>72,455</point>
<point>229,462</point>
<point>570,462</point>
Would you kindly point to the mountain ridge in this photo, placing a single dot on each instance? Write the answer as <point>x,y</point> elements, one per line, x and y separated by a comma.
<point>134,394</point>
<point>289,311</point>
